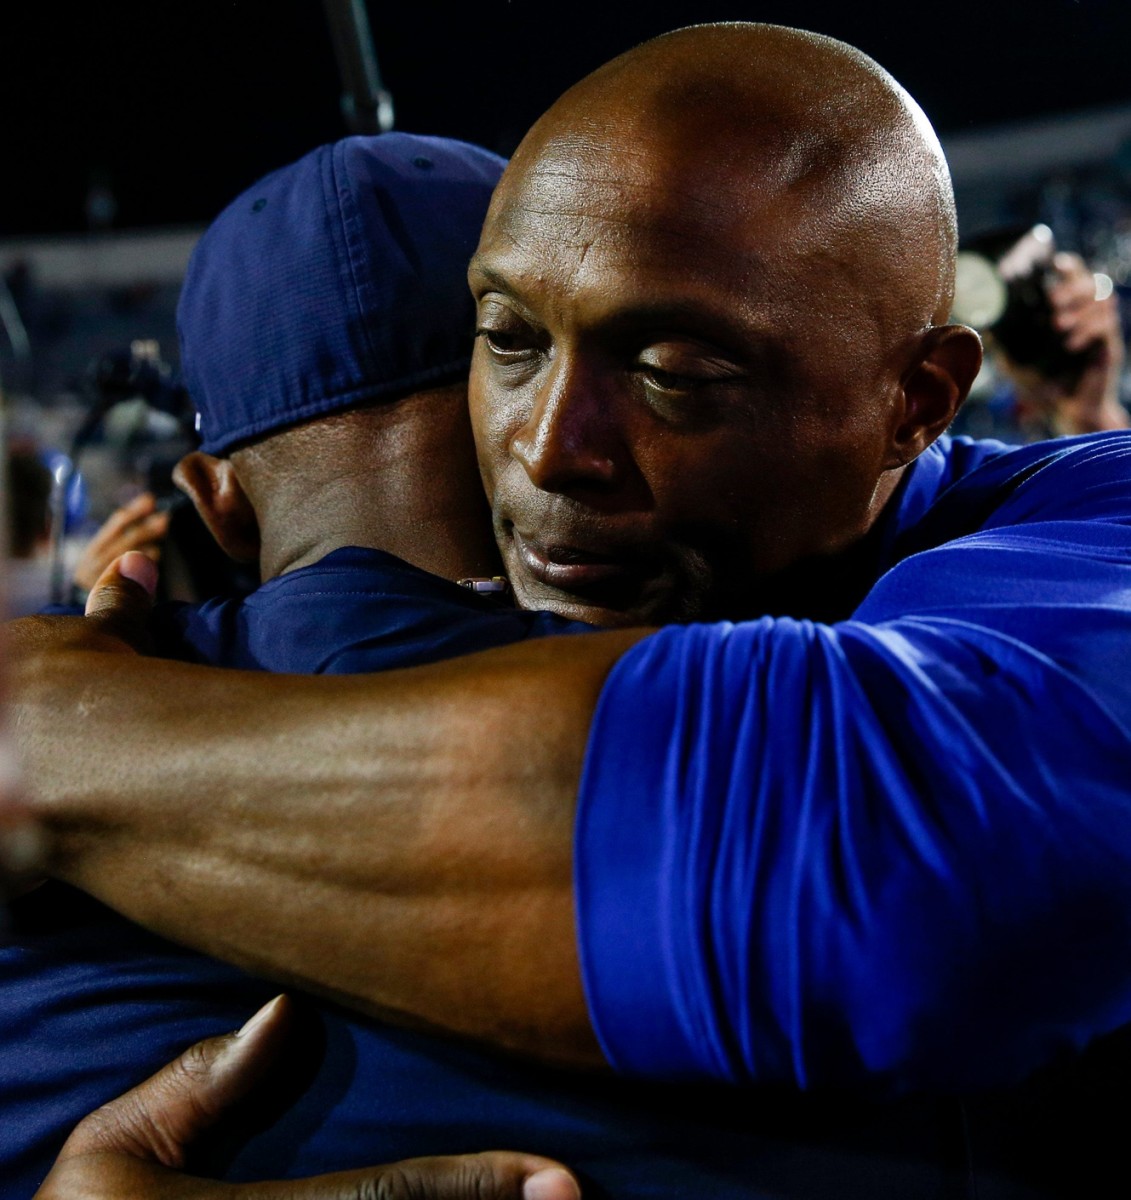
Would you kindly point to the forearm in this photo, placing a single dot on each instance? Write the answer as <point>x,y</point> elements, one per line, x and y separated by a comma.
<point>403,842</point>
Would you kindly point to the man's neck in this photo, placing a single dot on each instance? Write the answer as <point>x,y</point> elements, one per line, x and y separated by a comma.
<point>400,478</point>
<point>828,587</point>
<point>424,529</point>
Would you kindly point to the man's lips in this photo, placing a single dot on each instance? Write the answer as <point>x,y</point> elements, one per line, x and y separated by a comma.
<point>569,568</point>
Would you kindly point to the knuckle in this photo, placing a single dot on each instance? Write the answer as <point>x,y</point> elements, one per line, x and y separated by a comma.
<point>196,1062</point>
<point>126,1125</point>
<point>468,1177</point>
<point>192,1076</point>
<point>483,1177</point>
<point>394,1183</point>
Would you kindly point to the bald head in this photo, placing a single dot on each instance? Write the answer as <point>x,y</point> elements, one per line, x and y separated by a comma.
<point>712,287</point>
<point>769,116</point>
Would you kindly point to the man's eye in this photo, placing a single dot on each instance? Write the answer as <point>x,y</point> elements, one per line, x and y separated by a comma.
<point>668,381</point>
<point>504,343</point>
<point>677,368</point>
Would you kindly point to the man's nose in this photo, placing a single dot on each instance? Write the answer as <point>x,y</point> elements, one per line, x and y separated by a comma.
<point>569,441</point>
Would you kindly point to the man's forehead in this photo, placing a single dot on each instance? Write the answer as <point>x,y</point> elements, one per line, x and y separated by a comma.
<point>630,174</point>
<point>584,208</point>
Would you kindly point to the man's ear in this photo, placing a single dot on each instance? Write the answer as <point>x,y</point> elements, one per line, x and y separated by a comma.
<point>948,357</point>
<point>217,494</point>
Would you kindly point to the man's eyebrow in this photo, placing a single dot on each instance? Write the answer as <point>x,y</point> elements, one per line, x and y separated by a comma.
<point>479,267</point>
<point>715,327</point>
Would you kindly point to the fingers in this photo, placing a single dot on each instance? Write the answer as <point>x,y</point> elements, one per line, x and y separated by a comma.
<point>160,1118</point>
<point>1096,323</point>
<point>134,526</point>
<point>498,1175</point>
<point>135,1145</point>
<point>495,1175</point>
<point>122,598</point>
<point>1077,314</point>
<point>140,508</point>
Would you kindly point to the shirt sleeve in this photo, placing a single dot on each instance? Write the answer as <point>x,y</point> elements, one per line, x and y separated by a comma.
<point>894,851</point>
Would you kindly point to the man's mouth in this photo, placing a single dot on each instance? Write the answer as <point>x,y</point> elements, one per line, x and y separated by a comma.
<point>570,568</point>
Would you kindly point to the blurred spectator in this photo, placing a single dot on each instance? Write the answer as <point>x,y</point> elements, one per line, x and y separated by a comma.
<point>27,580</point>
<point>137,525</point>
<point>1084,312</point>
<point>1053,330</point>
<point>29,495</point>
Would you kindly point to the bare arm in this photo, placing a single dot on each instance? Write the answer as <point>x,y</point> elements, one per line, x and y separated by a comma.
<point>402,842</point>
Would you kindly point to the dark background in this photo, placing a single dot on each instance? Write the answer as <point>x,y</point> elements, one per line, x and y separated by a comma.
<point>176,105</point>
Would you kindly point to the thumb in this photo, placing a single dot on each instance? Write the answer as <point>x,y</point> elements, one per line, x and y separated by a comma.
<point>122,598</point>
<point>159,1118</point>
<point>495,1175</point>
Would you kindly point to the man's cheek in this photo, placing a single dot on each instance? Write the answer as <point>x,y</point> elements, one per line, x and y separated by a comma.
<point>483,412</point>
<point>494,423</point>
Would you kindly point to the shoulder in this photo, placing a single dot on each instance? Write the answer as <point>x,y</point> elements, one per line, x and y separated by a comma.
<point>966,487</point>
<point>355,611</point>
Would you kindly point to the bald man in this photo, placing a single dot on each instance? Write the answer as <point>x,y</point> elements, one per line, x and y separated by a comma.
<point>875,834</point>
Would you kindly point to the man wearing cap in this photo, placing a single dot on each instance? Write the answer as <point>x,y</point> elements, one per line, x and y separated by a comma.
<point>321,440</point>
<point>326,334</point>
<point>877,838</point>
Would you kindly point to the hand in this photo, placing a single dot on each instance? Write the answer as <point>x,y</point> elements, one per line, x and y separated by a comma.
<point>135,526</point>
<point>136,1146</point>
<point>117,611</point>
<point>1087,326</point>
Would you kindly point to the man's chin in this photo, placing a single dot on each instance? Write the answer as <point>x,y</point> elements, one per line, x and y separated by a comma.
<point>608,607</point>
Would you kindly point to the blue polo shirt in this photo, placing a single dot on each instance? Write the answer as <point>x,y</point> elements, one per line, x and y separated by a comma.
<point>893,849</point>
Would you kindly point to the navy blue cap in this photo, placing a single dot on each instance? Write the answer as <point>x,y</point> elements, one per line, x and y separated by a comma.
<point>336,281</point>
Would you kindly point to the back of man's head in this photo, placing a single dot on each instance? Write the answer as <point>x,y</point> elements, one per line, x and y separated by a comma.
<point>335,285</point>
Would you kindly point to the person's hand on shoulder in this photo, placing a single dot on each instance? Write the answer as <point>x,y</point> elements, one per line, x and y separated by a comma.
<point>139,1144</point>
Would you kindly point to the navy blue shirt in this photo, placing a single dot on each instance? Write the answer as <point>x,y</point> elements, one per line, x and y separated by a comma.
<point>353,612</point>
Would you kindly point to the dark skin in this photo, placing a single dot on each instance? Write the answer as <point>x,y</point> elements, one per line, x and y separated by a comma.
<point>358,478</point>
<point>139,1144</point>
<point>365,477</point>
<point>683,395</point>
<point>403,842</point>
